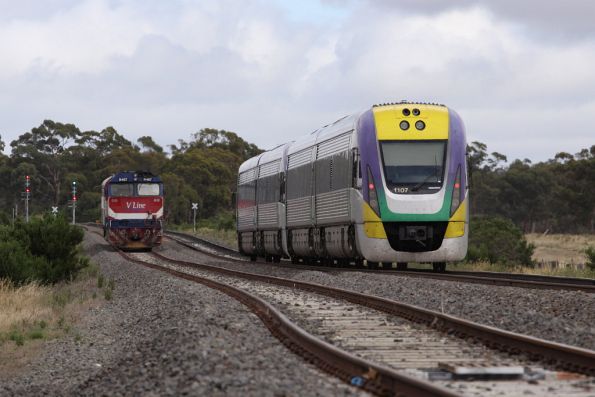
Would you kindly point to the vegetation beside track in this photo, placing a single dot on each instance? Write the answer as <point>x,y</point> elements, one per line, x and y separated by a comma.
<point>33,311</point>
<point>44,250</point>
<point>44,279</point>
<point>225,237</point>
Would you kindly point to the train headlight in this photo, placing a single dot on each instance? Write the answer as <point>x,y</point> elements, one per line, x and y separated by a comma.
<point>457,193</point>
<point>404,125</point>
<point>372,195</point>
<point>420,125</point>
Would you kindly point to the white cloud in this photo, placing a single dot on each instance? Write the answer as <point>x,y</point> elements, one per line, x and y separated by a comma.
<point>170,68</point>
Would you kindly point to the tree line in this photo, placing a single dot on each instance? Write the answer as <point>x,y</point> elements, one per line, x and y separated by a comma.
<point>557,195</point>
<point>201,170</point>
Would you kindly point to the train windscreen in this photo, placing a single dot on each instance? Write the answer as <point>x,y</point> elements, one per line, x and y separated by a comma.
<point>413,166</point>
<point>148,189</point>
<point>122,189</point>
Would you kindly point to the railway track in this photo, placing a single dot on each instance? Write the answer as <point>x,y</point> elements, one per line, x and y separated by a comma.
<point>390,348</point>
<point>487,278</point>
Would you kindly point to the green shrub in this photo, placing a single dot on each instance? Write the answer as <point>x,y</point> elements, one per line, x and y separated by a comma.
<point>498,240</point>
<point>590,252</point>
<point>43,249</point>
<point>17,337</point>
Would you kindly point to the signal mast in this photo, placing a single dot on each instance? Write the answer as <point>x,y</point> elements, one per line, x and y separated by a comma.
<point>27,197</point>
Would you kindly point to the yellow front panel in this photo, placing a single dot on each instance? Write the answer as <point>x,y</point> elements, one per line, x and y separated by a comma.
<point>389,117</point>
<point>455,229</point>
<point>373,226</point>
<point>456,224</point>
<point>460,214</point>
<point>374,230</point>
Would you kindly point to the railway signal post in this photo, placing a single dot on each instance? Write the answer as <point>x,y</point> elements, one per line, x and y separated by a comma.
<point>27,196</point>
<point>54,211</point>
<point>194,209</point>
<point>73,202</point>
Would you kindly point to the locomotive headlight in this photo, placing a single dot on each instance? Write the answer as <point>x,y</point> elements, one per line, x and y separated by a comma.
<point>420,125</point>
<point>406,112</point>
<point>404,125</point>
<point>372,195</point>
<point>456,193</point>
<point>416,112</point>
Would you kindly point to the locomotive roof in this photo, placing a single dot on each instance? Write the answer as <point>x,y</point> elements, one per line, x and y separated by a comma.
<point>134,176</point>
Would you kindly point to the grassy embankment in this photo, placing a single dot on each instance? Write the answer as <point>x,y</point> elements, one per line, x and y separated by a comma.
<point>226,238</point>
<point>34,312</point>
<point>554,255</point>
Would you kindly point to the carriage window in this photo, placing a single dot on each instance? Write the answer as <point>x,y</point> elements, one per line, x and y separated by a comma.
<point>121,190</point>
<point>148,189</point>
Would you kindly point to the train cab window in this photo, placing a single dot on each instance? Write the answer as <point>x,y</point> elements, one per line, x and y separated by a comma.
<point>412,167</point>
<point>121,190</point>
<point>148,189</point>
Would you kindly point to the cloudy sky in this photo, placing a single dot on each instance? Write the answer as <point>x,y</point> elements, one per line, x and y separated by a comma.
<point>520,73</point>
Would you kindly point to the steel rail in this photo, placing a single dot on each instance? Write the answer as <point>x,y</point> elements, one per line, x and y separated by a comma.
<point>559,355</point>
<point>486,278</point>
<point>354,370</point>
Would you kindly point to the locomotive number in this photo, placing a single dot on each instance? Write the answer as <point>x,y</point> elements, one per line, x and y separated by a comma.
<point>401,189</point>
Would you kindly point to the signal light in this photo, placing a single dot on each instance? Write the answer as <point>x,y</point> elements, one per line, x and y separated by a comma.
<point>28,190</point>
<point>371,186</point>
<point>73,198</point>
<point>27,177</point>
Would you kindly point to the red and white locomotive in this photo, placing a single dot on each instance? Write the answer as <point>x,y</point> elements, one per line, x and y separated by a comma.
<point>132,209</point>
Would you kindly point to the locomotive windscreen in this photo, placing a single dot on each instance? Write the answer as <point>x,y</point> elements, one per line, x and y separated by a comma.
<point>148,189</point>
<point>121,189</point>
<point>413,166</point>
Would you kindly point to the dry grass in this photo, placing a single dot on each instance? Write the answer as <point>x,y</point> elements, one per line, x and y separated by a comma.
<point>560,271</point>
<point>34,311</point>
<point>561,249</point>
<point>227,238</point>
<point>24,306</point>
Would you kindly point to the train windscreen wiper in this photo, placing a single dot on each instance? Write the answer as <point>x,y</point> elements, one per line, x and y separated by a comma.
<point>427,178</point>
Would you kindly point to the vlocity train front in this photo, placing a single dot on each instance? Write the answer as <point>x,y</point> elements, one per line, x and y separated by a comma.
<point>414,177</point>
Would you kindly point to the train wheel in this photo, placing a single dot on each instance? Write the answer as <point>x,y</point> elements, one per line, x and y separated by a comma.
<point>401,265</point>
<point>295,260</point>
<point>359,263</point>
<point>252,258</point>
<point>276,259</point>
<point>439,267</point>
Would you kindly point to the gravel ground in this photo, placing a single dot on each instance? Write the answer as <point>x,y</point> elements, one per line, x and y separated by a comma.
<point>562,316</point>
<point>163,336</point>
